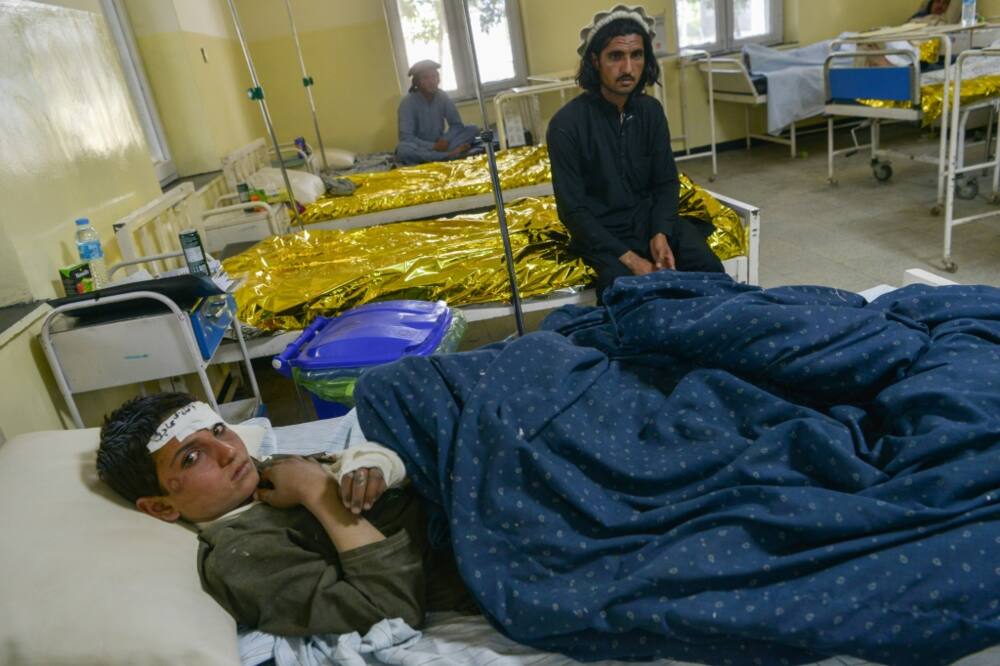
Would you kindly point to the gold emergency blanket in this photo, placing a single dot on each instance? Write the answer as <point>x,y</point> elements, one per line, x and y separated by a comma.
<point>290,279</point>
<point>432,182</point>
<point>932,97</point>
<point>930,51</point>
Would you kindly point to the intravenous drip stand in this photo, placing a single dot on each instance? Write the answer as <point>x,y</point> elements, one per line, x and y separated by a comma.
<point>487,139</point>
<point>257,93</point>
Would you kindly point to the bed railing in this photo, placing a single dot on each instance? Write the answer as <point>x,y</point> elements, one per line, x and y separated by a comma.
<point>239,165</point>
<point>152,229</point>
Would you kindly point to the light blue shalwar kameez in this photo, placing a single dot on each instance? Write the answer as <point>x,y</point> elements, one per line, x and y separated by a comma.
<point>421,123</point>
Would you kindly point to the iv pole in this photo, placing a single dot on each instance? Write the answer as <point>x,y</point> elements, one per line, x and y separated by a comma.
<point>307,82</point>
<point>257,93</point>
<point>487,139</point>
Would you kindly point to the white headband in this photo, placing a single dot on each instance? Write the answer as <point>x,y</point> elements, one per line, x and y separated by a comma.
<point>183,423</point>
<point>601,19</point>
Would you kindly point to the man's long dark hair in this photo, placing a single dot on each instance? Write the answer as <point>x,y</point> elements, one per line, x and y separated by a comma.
<point>589,76</point>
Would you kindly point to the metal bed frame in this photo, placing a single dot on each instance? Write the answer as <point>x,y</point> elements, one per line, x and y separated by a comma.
<point>729,81</point>
<point>956,168</point>
<point>948,37</point>
<point>181,208</point>
<point>880,157</point>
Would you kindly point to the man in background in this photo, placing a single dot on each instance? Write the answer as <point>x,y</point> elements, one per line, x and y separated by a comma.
<point>422,115</point>
<point>613,170</point>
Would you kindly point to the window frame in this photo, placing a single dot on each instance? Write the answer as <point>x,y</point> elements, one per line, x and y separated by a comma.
<point>458,31</point>
<point>725,29</point>
<point>116,18</point>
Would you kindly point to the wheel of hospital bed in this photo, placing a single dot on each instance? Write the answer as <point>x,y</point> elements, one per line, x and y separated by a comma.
<point>949,265</point>
<point>882,171</point>
<point>967,189</point>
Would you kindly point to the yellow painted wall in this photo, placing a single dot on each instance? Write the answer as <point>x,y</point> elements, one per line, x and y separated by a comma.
<point>71,144</point>
<point>71,147</point>
<point>199,79</point>
<point>349,53</point>
<point>30,392</point>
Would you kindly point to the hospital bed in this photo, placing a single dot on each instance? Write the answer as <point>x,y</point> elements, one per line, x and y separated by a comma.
<point>729,81</point>
<point>152,229</point>
<point>151,234</point>
<point>434,189</point>
<point>92,580</point>
<point>257,297</point>
<point>957,170</point>
<point>901,93</point>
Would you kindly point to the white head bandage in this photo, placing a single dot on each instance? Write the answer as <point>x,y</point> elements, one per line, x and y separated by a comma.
<point>601,19</point>
<point>183,423</point>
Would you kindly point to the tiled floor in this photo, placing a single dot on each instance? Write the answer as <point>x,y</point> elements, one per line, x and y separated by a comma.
<point>860,232</point>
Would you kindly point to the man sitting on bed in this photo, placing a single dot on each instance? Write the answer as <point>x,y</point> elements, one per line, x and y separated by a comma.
<point>296,547</point>
<point>421,117</point>
<point>613,171</point>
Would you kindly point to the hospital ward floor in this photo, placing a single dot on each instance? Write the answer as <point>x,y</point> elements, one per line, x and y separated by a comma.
<point>855,235</point>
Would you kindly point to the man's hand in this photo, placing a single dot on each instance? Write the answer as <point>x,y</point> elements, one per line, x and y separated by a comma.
<point>361,488</point>
<point>636,264</point>
<point>659,249</point>
<point>459,150</point>
<point>440,145</point>
<point>295,481</point>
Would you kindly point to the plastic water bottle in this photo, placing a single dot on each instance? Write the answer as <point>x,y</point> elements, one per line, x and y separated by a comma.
<point>968,13</point>
<point>88,244</point>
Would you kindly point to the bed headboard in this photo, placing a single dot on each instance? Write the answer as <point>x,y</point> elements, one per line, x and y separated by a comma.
<point>152,229</point>
<point>243,162</point>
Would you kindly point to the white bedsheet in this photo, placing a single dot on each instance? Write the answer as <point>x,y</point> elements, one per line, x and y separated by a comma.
<point>795,88</point>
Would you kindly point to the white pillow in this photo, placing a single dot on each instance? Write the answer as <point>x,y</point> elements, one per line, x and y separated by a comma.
<point>306,186</point>
<point>87,578</point>
<point>337,158</point>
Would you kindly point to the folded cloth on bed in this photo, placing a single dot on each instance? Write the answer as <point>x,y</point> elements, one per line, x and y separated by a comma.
<point>795,88</point>
<point>435,181</point>
<point>710,471</point>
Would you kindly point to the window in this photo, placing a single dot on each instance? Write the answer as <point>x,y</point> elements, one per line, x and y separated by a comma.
<point>437,30</point>
<point>725,25</point>
<point>142,96</point>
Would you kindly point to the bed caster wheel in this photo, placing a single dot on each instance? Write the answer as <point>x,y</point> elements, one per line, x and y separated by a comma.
<point>882,171</point>
<point>968,189</point>
<point>833,181</point>
<point>936,210</point>
<point>995,199</point>
<point>711,179</point>
<point>950,266</point>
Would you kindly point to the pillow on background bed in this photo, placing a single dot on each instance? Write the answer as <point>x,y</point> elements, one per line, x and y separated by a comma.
<point>306,186</point>
<point>89,579</point>
<point>337,158</point>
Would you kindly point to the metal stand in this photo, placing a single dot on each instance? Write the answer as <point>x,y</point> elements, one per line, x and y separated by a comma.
<point>257,93</point>
<point>307,82</point>
<point>487,138</point>
<point>107,365</point>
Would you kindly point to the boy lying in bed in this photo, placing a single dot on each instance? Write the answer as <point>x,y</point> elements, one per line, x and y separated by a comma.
<point>291,547</point>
